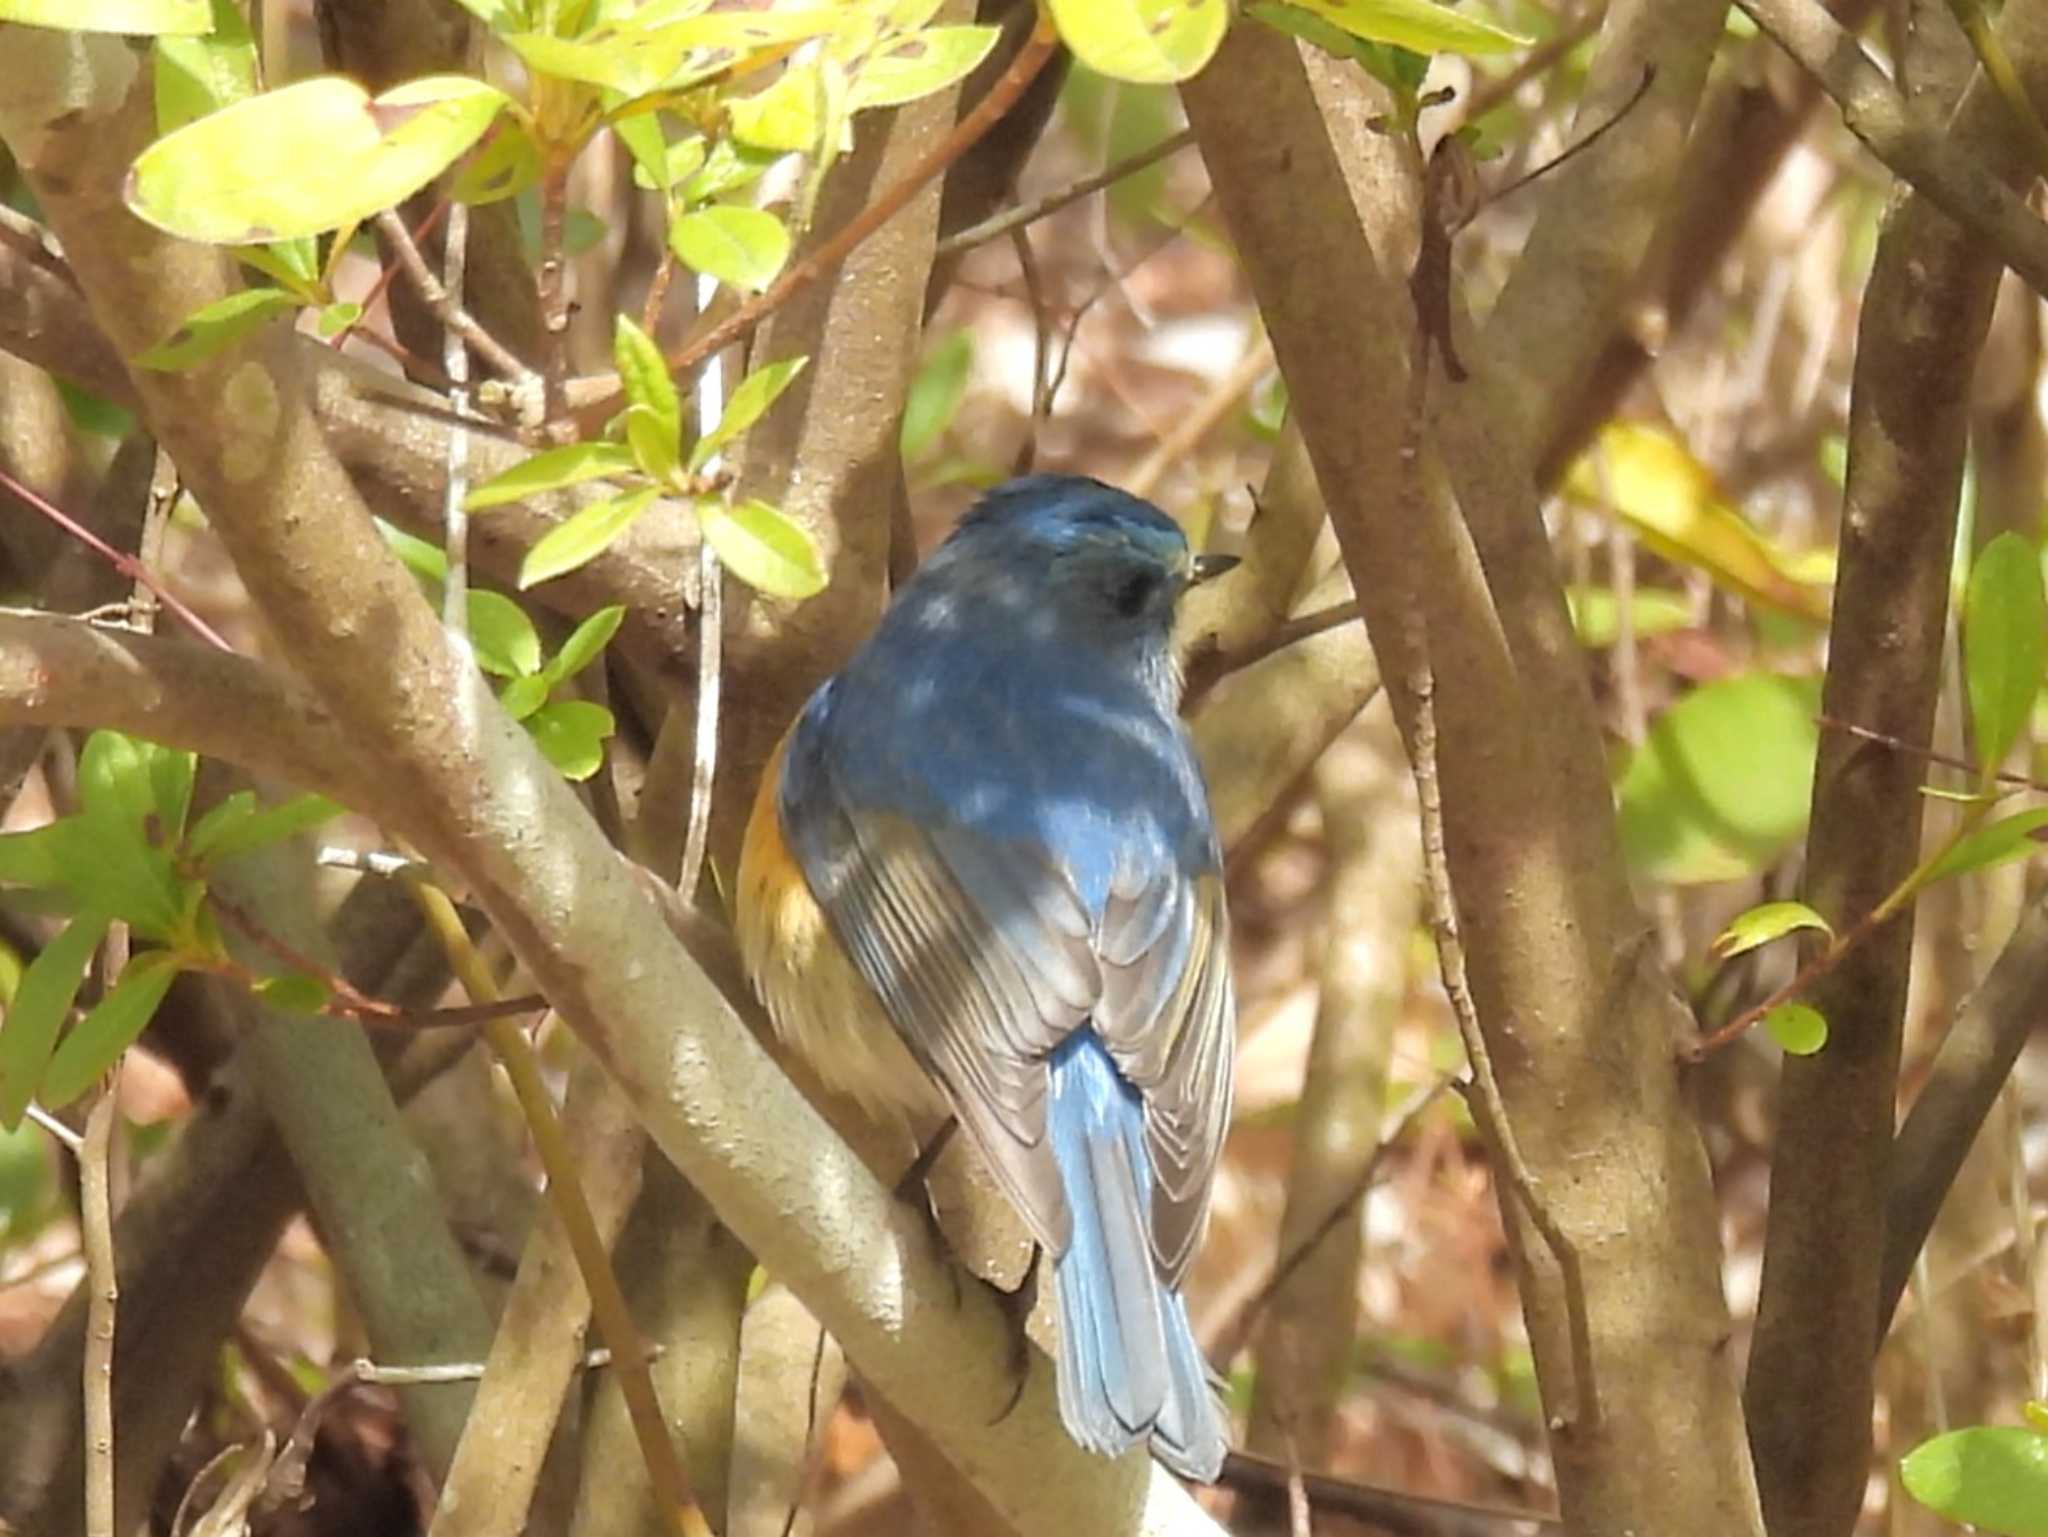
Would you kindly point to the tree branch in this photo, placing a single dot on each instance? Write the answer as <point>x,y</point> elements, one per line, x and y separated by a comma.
<point>1939,165</point>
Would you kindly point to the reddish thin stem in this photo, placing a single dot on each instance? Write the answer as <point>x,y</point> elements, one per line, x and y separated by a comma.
<point>127,565</point>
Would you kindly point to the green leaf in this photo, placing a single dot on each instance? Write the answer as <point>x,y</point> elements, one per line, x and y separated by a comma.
<point>40,856</point>
<point>643,372</point>
<point>214,326</point>
<point>1415,25</point>
<point>506,643</point>
<point>244,173</point>
<point>294,265</point>
<point>655,451</point>
<point>763,547</point>
<point>581,538</point>
<point>651,52</point>
<point>197,75</point>
<point>135,18</point>
<point>571,735</point>
<point>234,808</point>
<point>114,778</point>
<point>1798,1028</point>
<point>259,829</point>
<point>586,642</point>
<point>729,167</point>
<point>110,1027</point>
<point>1721,786</point>
<point>936,390</point>
<point>2005,631</point>
<point>337,317</point>
<point>750,402</point>
<point>43,998</point>
<point>741,246</point>
<point>119,873</point>
<point>1764,923</point>
<point>170,782</point>
<point>1995,843</point>
<point>522,696</point>
<point>1646,476</point>
<point>569,465</point>
<point>1596,614</point>
<point>642,135</point>
<point>428,562</point>
<point>506,166</point>
<point>1993,1476</point>
<point>783,117</point>
<point>296,992</point>
<point>1147,42</point>
<point>925,61</point>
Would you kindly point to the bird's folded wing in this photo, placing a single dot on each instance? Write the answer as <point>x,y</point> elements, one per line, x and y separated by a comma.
<point>985,957</point>
<point>1167,1015</point>
<point>981,955</point>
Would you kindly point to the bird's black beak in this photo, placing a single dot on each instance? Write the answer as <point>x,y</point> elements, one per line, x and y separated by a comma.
<point>1207,567</point>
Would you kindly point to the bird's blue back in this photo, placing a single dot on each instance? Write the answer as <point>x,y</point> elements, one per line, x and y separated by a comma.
<point>999,813</point>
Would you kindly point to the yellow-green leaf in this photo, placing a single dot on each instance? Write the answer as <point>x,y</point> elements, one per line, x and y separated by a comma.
<point>308,158</point>
<point>2005,633</point>
<point>215,326</point>
<point>134,18</point>
<point>1415,25</point>
<point>763,547</point>
<point>1764,923</point>
<point>756,393</point>
<point>1993,1476</point>
<point>569,465</point>
<point>110,1027</point>
<point>917,65</point>
<point>782,116</point>
<point>1147,42</point>
<point>1721,785</point>
<point>571,735</point>
<point>649,387</point>
<point>197,75</point>
<point>580,539</point>
<point>1798,1028</point>
<point>741,246</point>
<point>1648,478</point>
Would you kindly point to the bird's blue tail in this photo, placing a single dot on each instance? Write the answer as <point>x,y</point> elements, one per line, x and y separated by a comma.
<point>1129,1368</point>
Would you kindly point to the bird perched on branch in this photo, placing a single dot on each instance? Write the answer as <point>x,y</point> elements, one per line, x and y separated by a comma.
<point>981,877</point>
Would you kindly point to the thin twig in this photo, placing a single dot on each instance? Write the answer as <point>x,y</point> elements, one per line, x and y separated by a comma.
<point>455,358</point>
<point>710,643</point>
<point>385,274</point>
<point>1484,1098</point>
<point>96,1224</point>
<point>127,565</point>
<point>704,761</point>
<point>73,1142</point>
<point>1927,754</point>
<point>986,113</point>
<point>997,225</point>
<point>435,1373</point>
<point>551,287</point>
<point>671,1485</point>
<point>448,310</point>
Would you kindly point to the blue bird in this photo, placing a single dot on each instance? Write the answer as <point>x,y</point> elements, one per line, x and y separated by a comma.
<point>981,878</point>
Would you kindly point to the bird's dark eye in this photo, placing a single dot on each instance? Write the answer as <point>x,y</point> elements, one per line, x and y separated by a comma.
<point>1133,593</point>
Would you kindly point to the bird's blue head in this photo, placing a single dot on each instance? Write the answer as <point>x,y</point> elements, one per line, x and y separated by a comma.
<point>1094,561</point>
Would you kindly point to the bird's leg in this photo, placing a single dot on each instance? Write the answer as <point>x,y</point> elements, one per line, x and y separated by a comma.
<point>915,1191</point>
<point>1016,1306</point>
